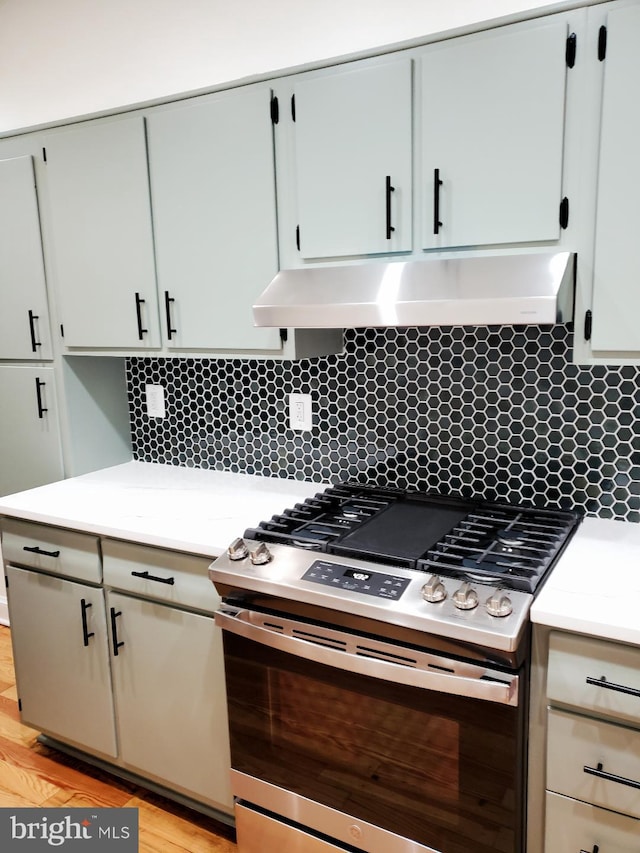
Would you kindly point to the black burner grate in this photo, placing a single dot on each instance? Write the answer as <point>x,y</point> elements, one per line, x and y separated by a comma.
<point>502,545</point>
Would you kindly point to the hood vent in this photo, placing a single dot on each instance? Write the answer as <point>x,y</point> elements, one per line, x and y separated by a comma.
<point>461,291</point>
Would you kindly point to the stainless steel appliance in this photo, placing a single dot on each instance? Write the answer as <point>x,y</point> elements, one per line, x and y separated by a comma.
<point>466,289</point>
<point>376,654</point>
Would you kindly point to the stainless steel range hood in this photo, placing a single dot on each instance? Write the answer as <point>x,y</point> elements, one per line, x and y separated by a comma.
<point>480,290</point>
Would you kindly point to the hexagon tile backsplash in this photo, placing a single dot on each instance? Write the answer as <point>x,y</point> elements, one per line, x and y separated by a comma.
<point>499,413</point>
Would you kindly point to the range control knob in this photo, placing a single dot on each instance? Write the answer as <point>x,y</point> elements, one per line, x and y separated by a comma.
<point>261,555</point>
<point>238,549</point>
<point>434,590</point>
<point>499,604</point>
<point>465,598</point>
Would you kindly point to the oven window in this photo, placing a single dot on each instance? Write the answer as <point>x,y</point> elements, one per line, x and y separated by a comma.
<point>441,770</point>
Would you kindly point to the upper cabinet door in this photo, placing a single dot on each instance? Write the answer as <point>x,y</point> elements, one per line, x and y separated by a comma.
<point>616,286</point>
<point>98,186</point>
<point>492,125</point>
<point>24,315</point>
<point>30,445</point>
<point>353,160</point>
<point>214,213</point>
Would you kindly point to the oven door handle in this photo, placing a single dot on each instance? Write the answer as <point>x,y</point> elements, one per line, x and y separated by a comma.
<point>483,684</point>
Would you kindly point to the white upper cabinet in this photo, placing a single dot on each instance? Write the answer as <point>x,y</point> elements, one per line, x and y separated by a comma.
<point>353,160</point>
<point>102,252</point>
<point>616,282</point>
<point>24,315</point>
<point>214,213</point>
<point>490,151</point>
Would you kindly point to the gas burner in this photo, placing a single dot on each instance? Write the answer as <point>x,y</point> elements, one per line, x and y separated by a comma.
<point>510,539</point>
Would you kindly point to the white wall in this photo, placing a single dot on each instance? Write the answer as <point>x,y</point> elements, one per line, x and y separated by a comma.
<point>64,58</point>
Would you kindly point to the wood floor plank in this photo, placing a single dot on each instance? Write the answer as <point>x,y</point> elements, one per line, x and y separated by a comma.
<point>11,729</point>
<point>33,774</point>
<point>22,783</point>
<point>7,674</point>
<point>10,693</point>
<point>84,799</point>
<point>11,800</point>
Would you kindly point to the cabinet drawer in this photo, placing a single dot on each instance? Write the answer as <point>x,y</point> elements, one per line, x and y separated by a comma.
<point>575,743</point>
<point>171,576</point>
<point>52,549</point>
<point>595,676</point>
<point>573,826</point>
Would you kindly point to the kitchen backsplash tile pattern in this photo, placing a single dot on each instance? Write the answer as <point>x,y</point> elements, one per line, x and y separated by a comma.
<point>494,412</point>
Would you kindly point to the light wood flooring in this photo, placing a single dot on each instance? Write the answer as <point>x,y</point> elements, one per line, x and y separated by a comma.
<point>32,774</point>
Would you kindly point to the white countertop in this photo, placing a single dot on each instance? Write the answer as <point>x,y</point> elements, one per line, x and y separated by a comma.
<point>185,509</point>
<point>593,589</point>
<point>595,586</point>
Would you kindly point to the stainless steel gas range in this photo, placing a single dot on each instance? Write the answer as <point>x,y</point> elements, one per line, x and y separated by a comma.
<point>376,655</point>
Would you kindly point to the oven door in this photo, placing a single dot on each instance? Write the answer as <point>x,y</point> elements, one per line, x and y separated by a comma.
<point>369,745</point>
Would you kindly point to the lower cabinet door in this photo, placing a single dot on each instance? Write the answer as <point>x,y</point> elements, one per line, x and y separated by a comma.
<point>170,696</point>
<point>572,826</point>
<point>59,636</point>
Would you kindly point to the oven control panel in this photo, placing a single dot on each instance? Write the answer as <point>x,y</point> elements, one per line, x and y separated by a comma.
<point>356,580</point>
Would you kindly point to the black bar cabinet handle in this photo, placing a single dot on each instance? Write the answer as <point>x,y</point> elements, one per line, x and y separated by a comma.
<point>610,777</point>
<point>35,550</point>
<point>86,633</point>
<point>167,307</point>
<point>139,303</point>
<point>35,343</point>
<point>149,577</point>
<point>609,685</point>
<point>114,630</point>
<point>41,409</point>
<point>389,189</point>
<point>595,849</point>
<point>437,183</point>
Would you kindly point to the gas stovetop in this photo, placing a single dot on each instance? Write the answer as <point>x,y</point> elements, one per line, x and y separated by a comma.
<point>462,569</point>
<point>475,541</point>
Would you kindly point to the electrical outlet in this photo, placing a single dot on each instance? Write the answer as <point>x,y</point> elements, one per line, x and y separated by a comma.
<point>300,412</point>
<point>155,401</point>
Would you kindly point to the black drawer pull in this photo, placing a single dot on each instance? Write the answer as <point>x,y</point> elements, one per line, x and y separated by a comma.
<point>388,190</point>
<point>41,409</point>
<point>596,849</point>
<point>611,777</point>
<point>84,606</point>
<point>609,685</point>
<point>437,183</point>
<point>35,550</point>
<point>141,330</point>
<point>114,630</point>
<point>149,577</point>
<point>168,300</point>
<point>35,343</point>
